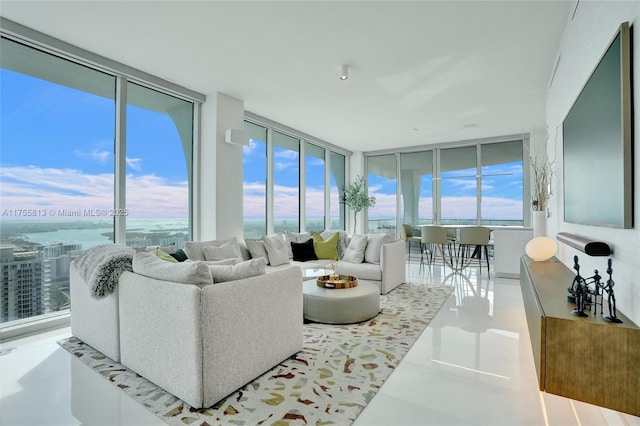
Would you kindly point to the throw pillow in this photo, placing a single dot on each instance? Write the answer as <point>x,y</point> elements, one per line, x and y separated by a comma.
<point>225,251</point>
<point>194,249</point>
<point>160,254</point>
<point>343,240</point>
<point>291,237</point>
<point>374,246</point>
<point>304,251</point>
<point>356,249</point>
<point>326,249</point>
<point>147,264</point>
<point>276,250</point>
<point>257,250</point>
<point>250,268</point>
<point>179,255</point>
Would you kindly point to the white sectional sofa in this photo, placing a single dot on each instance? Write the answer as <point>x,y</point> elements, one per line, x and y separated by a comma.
<point>198,342</point>
<point>385,268</point>
<point>201,339</point>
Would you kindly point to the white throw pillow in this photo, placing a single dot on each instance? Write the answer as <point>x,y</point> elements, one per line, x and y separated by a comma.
<point>257,250</point>
<point>355,250</point>
<point>250,268</point>
<point>374,246</point>
<point>225,251</point>
<point>147,264</point>
<point>276,250</point>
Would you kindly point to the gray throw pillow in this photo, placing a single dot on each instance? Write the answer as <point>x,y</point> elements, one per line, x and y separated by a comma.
<point>257,250</point>
<point>276,250</point>
<point>374,246</point>
<point>195,249</point>
<point>225,251</point>
<point>356,249</point>
<point>147,264</point>
<point>250,268</point>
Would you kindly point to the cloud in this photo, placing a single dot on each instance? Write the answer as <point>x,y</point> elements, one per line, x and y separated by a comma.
<point>134,163</point>
<point>50,189</point>
<point>100,156</point>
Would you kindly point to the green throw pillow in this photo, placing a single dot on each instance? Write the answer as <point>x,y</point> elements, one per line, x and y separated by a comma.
<point>326,249</point>
<point>164,256</point>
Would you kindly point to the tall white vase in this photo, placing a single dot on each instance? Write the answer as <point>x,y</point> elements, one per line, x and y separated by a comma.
<point>539,224</point>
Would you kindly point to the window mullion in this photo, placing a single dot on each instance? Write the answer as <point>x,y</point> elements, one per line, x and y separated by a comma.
<point>120,180</point>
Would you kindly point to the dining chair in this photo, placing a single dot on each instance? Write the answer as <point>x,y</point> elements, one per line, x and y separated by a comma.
<point>435,237</point>
<point>477,237</point>
<point>407,235</point>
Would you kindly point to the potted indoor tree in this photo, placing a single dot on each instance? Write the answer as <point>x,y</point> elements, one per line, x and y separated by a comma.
<point>356,198</point>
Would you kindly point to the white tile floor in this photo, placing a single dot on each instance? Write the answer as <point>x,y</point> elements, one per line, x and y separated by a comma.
<point>472,366</point>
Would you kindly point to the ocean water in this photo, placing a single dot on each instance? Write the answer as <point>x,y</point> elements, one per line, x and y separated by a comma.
<point>92,236</point>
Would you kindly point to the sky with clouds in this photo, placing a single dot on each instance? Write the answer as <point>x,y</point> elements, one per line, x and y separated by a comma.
<point>57,153</point>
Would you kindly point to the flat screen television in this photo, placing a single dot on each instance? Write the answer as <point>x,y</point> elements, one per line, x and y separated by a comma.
<point>598,144</point>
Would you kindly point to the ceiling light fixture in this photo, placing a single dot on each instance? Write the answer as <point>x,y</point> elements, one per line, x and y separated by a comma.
<point>344,72</point>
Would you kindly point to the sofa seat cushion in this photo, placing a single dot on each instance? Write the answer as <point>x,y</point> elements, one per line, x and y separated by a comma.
<point>365,271</point>
<point>148,265</point>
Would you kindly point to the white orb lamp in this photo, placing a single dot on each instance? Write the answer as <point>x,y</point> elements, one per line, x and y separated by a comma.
<point>541,248</point>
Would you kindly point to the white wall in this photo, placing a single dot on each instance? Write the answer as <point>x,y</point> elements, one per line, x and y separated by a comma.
<point>221,174</point>
<point>586,38</point>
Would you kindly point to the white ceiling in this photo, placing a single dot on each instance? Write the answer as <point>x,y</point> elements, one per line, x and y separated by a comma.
<point>420,72</point>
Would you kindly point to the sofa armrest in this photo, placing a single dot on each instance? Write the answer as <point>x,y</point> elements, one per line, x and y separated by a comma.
<point>248,327</point>
<point>393,265</point>
<point>94,321</point>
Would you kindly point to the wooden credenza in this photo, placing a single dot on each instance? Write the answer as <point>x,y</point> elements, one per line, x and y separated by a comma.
<point>586,359</point>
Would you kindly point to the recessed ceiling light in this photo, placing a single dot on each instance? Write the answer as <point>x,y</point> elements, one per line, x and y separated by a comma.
<point>344,72</point>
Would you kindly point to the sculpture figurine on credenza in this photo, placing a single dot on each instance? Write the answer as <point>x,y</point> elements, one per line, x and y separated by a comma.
<point>594,297</point>
<point>578,291</point>
<point>611,297</point>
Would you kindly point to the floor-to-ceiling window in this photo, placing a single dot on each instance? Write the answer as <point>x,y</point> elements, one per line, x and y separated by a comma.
<point>336,189</point>
<point>382,184</point>
<point>254,201</point>
<point>60,172</point>
<point>159,152</point>
<point>286,183</point>
<point>416,179</point>
<point>458,190</point>
<point>480,183</point>
<point>56,175</point>
<point>314,166</point>
<point>502,183</point>
<point>278,181</point>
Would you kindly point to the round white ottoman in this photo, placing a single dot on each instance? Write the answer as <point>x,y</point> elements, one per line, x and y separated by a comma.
<point>340,306</point>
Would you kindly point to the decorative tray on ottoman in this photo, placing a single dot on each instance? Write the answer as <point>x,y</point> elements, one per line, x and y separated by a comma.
<point>337,281</point>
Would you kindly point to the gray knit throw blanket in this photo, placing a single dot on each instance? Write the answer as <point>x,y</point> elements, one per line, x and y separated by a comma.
<point>101,266</point>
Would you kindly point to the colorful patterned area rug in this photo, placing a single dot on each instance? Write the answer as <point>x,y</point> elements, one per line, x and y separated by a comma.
<point>329,382</point>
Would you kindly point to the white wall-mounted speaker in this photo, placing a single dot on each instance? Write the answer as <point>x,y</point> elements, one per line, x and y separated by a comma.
<point>236,137</point>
